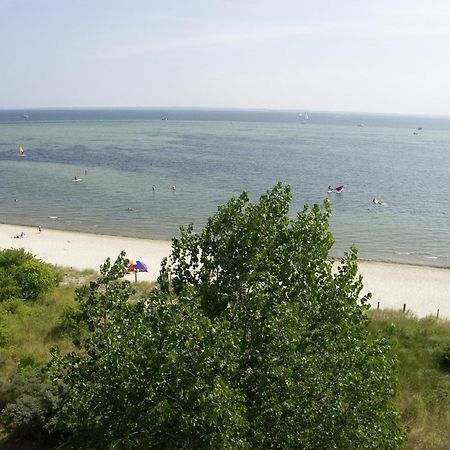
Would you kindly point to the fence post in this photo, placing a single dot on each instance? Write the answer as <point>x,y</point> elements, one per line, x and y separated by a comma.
<point>437,314</point>
<point>404,307</point>
<point>378,306</point>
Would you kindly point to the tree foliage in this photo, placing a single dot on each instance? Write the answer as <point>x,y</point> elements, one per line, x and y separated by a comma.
<point>252,341</point>
<point>24,276</point>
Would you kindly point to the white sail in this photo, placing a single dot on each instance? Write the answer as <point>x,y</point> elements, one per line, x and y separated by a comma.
<point>21,151</point>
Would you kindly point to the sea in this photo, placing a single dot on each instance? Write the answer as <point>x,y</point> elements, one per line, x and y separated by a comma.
<point>145,172</point>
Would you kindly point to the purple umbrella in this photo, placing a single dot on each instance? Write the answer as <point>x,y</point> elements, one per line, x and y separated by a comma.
<point>141,267</point>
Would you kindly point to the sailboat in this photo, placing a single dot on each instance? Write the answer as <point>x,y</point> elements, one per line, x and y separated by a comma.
<point>304,117</point>
<point>21,152</point>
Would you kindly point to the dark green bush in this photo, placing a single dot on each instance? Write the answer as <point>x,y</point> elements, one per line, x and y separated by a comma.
<point>31,401</point>
<point>444,359</point>
<point>24,276</point>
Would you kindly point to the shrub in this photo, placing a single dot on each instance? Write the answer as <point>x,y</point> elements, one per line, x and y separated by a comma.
<point>444,359</point>
<point>31,405</point>
<point>24,276</point>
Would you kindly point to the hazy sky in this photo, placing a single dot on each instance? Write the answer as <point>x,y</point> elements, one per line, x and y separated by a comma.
<point>362,55</point>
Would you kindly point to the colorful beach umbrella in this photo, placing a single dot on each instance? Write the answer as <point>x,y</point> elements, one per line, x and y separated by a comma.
<point>141,267</point>
<point>136,267</point>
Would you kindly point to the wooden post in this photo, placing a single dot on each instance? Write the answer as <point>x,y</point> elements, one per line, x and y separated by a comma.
<point>135,275</point>
<point>378,306</point>
<point>404,307</point>
<point>437,314</point>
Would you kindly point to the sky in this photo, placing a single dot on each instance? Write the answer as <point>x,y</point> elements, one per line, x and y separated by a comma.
<point>385,56</point>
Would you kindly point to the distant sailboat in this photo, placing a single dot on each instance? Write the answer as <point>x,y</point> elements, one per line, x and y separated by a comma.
<point>21,152</point>
<point>304,117</point>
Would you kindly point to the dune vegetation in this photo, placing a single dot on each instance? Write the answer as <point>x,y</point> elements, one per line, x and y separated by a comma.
<point>422,347</point>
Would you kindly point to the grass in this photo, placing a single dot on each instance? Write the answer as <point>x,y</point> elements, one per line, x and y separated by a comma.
<point>27,331</point>
<point>424,399</point>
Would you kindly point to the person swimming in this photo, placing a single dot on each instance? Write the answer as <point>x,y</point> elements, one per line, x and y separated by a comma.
<point>378,202</point>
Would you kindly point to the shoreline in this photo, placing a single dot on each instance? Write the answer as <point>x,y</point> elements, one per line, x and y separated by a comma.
<point>424,289</point>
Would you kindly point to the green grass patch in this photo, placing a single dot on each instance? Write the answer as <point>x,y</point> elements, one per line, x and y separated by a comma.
<point>423,348</point>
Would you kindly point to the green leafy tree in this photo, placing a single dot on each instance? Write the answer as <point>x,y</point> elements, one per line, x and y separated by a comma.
<point>253,340</point>
<point>152,373</point>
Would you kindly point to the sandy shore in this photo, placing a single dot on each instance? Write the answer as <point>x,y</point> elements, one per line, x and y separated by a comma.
<point>424,290</point>
<point>83,250</point>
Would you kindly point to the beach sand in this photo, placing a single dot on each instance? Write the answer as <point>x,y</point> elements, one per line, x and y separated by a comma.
<point>85,251</point>
<point>423,289</point>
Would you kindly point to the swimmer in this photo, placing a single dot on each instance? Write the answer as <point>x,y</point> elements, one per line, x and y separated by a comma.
<point>153,188</point>
<point>173,187</point>
<point>378,202</point>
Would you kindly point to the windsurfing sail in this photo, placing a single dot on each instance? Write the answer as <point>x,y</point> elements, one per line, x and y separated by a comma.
<point>21,151</point>
<point>305,116</point>
<point>340,189</point>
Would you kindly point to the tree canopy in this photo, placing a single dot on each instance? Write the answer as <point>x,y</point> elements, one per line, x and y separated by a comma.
<point>252,340</point>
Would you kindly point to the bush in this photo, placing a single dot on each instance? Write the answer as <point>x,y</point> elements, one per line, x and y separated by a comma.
<point>24,276</point>
<point>31,405</point>
<point>444,359</point>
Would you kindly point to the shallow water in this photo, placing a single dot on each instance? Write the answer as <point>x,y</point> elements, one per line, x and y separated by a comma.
<point>211,155</point>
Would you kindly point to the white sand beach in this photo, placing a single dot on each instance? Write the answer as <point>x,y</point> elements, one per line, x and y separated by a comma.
<point>83,250</point>
<point>423,289</point>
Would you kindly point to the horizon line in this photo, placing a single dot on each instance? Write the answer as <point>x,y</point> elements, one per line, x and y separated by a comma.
<point>221,108</point>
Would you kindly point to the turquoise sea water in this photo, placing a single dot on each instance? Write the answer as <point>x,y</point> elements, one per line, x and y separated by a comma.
<point>211,155</point>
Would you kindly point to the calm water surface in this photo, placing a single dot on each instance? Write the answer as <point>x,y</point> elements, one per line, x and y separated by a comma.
<point>212,155</point>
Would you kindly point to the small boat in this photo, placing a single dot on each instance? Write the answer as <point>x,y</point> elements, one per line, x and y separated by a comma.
<point>21,152</point>
<point>304,117</point>
<point>340,189</point>
<point>25,116</point>
<point>163,118</point>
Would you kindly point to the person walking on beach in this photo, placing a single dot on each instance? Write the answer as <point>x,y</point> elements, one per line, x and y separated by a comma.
<point>40,229</point>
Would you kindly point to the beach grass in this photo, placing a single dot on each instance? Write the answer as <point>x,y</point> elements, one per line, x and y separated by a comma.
<point>424,381</point>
